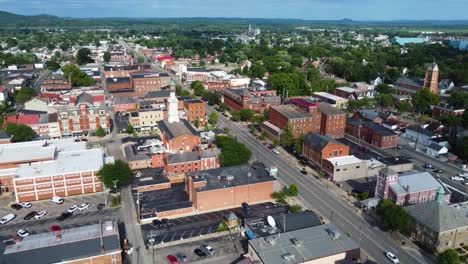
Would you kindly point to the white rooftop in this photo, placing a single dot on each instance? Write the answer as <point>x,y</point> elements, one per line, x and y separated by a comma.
<point>329,96</point>
<point>65,163</point>
<point>346,89</point>
<point>344,160</point>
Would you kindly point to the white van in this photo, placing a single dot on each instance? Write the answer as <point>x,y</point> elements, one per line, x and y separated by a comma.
<point>57,199</point>
<point>7,218</point>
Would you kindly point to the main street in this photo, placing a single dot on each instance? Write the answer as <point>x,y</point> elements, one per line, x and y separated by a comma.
<point>315,196</point>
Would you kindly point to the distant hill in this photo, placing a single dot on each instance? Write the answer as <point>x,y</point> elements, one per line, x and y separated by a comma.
<point>9,19</point>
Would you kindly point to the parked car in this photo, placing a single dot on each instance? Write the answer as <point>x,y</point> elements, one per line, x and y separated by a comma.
<point>30,215</point>
<point>157,222</point>
<point>64,216</point>
<point>84,206</point>
<point>275,151</point>
<point>23,233</point>
<point>57,199</point>
<point>40,214</point>
<point>138,175</point>
<point>72,208</point>
<point>356,153</point>
<point>362,148</point>
<point>7,218</point>
<point>172,259</point>
<point>209,250</point>
<point>199,253</point>
<point>55,228</point>
<point>438,171</point>
<point>101,206</point>
<point>456,178</point>
<point>399,147</point>
<point>16,206</point>
<point>181,257</point>
<point>427,166</point>
<point>246,206</point>
<point>392,257</point>
<point>304,171</point>
<point>26,205</point>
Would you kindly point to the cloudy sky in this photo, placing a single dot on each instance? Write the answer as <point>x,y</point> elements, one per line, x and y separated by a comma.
<point>302,9</point>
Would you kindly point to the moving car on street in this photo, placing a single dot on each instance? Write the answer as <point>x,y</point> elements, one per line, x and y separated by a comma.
<point>392,257</point>
<point>23,233</point>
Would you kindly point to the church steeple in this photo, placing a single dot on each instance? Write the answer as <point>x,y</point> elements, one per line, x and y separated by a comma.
<point>431,79</point>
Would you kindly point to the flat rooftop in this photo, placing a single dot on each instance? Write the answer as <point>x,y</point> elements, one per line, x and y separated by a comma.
<point>344,160</point>
<point>290,112</point>
<point>74,243</point>
<point>395,160</point>
<point>330,96</point>
<point>65,163</point>
<point>226,177</point>
<point>316,242</point>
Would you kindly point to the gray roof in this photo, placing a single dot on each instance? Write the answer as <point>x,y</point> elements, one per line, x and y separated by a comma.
<point>379,129</point>
<point>435,146</point>
<point>158,94</point>
<point>413,182</point>
<point>75,243</point>
<point>242,174</point>
<point>176,129</point>
<point>290,112</point>
<point>132,155</point>
<point>231,217</point>
<point>329,109</point>
<point>182,157</point>
<point>317,242</point>
<point>124,100</point>
<point>420,130</point>
<point>369,114</point>
<point>410,82</point>
<point>84,98</point>
<point>437,216</point>
<point>296,221</point>
<point>4,135</point>
<point>319,141</point>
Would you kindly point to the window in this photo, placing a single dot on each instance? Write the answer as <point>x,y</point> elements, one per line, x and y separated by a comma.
<point>338,169</point>
<point>357,167</point>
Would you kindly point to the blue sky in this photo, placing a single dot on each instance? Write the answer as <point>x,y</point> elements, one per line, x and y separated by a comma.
<point>303,9</point>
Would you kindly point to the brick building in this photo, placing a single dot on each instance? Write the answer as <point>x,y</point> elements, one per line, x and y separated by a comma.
<point>55,83</point>
<point>119,85</point>
<point>31,120</point>
<point>125,104</point>
<point>181,163</point>
<point>299,122</point>
<point>243,98</point>
<point>409,86</point>
<point>83,118</point>
<point>97,243</point>
<point>195,109</point>
<point>316,148</point>
<point>445,111</point>
<point>217,85</point>
<point>146,119</point>
<point>371,133</point>
<point>118,71</point>
<point>332,121</point>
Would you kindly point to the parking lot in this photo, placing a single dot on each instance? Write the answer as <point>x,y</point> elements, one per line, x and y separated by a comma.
<point>204,224</point>
<point>225,251</point>
<point>53,209</point>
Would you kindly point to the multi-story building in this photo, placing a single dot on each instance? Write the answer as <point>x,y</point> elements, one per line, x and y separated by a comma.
<point>217,85</point>
<point>49,126</point>
<point>97,243</point>
<point>332,99</point>
<point>299,122</point>
<point>345,168</point>
<point>316,148</point>
<point>55,83</point>
<point>371,133</point>
<point>445,111</point>
<point>125,104</point>
<point>409,86</point>
<point>83,118</point>
<point>195,110</point>
<point>243,98</point>
<point>143,82</point>
<point>118,71</point>
<point>119,85</point>
<point>180,163</point>
<point>31,120</point>
<point>146,119</point>
<point>332,121</point>
<point>407,188</point>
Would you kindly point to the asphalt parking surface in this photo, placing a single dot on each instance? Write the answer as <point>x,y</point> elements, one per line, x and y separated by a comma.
<point>203,224</point>
<point>120,122</point>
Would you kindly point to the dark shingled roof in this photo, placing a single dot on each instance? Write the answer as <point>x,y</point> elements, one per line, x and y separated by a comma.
<point>118,80</point>
<point>319,141</point>
<point>379,129</point>
<point>182,157</point>
<point>329,109</point>
<point>84,98</point>
<point>176,129</point>
<point>158,94</point>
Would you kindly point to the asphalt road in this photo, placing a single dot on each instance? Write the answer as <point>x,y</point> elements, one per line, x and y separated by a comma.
<point>315,196</point>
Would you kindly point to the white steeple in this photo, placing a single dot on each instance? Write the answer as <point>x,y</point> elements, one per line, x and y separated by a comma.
<point>173,114</point>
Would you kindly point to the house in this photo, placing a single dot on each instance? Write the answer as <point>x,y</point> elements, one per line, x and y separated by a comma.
<point>445,110</point>
<point>387,120</point>
<point>317,244</point>
<point>97,243</point>
<point>407,188</point>
<point>419,135</point>
<point>438,225</point>
<point>316,148</point>
<point>436,150</point>
<point>354,93</point>
<point>344,168</point>
<point>136,158</point>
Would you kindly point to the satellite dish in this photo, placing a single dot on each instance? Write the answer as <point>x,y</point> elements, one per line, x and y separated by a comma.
<point>271,221</point>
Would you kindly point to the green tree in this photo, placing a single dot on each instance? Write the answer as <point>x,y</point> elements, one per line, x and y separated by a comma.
<point>298,143</point>
<point>279,196</point>
<point>403,107</point>
<point>20,133</point>
<point>117,173</point>
<point>246,114</point>
<point>100,132</point>
<point>232,152</point>
<point>384,88</point>
<point>197,87</point>
<point>449,256</point>
<point>11,42</point>
<point>263,135</point>
<point>140,59</point>
<point>196,123</point>
<point>53,65</point>
<point>459,99</point>
<point>393,216</point>
<point>83,56</point>
<point>295,208</point>
<point>292,191</point>
<point>130,129</point>
<point>180,91</point>
<point>364,103</point>
<point>222,107</point>
<point>213,118</point>
<point>287,139</point>
<point>384,100</point>
<point>64,46</point>
<point>24,94</point>
<point>423,99</point>
<point>107,56</point>
<point>77,77</point>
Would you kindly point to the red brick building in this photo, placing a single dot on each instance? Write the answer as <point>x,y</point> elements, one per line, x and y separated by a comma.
<point>371,133</point>
<point>217,85</point>
<point>124,71</point>
<point>195,109</point>
<point>332,121</point>
<point>55,83</point>
<point>119,85</point>
<point>445,111</point>
<point>83,118</point>
<point>179,164</point>
<point>243,98</point>
<point>143,82</point>
<point>316,148</point>
<point>179,137</point>
<point>299,122</point>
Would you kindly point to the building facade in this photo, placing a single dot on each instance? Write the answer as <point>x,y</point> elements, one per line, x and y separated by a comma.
<point>316,148</point>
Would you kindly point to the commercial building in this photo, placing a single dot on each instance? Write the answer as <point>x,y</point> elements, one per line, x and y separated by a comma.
<point>411,40</point>
<point>332,99</point>
<point>445,111</point>
<point>98,243</point>
<point>55,83</point>
<point>299,122</point>
<point>119,85</point>
<point>244,98</point>
<point>371,133</point>
<point>438,225</point>
<point>178,164</point>
<point>407,188</point>
<point>461,44</point>
<point>332,121</point>
<point>344,168</point>
<point>316,148</point>
<point>195,110</point>
<point>146,119</point>
<point>318,244</point>
<point>83,118</point>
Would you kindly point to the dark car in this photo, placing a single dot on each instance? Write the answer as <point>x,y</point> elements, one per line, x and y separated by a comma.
<point>16,206</point>
<point>438,171</point>
<point>362,148</point>
<point>246,206</point>
<point>157,222</point>
<point>199,253</point>
<point>30,215</point>
<point>64,216</point>
<point>427,166</point>
<point>182,257</point>
<point>55,228</point>
<point>101,206</point>
<point>304,171</point>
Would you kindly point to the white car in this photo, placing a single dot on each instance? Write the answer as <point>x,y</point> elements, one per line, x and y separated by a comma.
<point>275,151</point>
<point>26,205</point>
<point>57,199</point>
<point>40,214</point>
<point>72,208</point>
<point>209,250</point>
<point>392,257</point>
<point>23,233</point>
<point>7,218</point>
<point>138,175</point>
<point>84,206</point>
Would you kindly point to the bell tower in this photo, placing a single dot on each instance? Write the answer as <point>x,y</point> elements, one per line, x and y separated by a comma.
<point>431,79</point>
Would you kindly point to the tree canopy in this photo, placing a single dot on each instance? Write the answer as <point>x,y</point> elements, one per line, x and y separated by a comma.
<point>77,76</point>
<point>20,133</point>
<point>106,56</point>
<point>393,216</point>
<point>423,99</point>
<point>118,172</point>
<point>83,56</point>
<point>232,152</point>
<point>24,94</point>
<point>449,256</point>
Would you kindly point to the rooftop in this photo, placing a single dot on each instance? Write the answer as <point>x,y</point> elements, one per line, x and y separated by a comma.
<point>176,129</point>
<point>329,96</point>
<point>74,243</point>
<point>329,109</point>
<point>131,153</point>
<point>413,182</point>
<point>395,160</point>
<point>344,160</point>
<point>290,112</point>
<point>319,141</point>
<point>299,220</point>
<point>437,216</point>
<point>65,162</point>
<point>420,130</point>
<point>231,176</point>
<point>302,245</point>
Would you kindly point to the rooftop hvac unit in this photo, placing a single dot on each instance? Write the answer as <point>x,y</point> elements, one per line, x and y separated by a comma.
<point>288,256</point>
<point>334,233</point>
<point>297,242</point>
